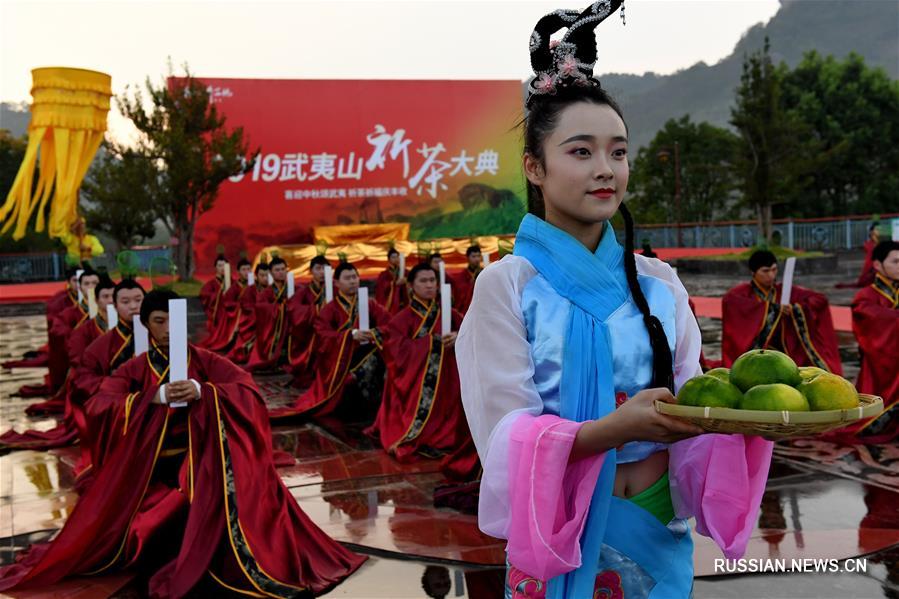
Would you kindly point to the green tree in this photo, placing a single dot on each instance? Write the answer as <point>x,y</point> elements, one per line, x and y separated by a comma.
<point>771,161</point>
<point>707,181</point>
<point>186,137</point>
<point>12,153</point>
<point>851,114</point>
<point>119,194</point>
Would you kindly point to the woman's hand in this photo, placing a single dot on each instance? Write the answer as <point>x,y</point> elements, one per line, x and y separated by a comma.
<point>639,420</point>
<point>636,420</point>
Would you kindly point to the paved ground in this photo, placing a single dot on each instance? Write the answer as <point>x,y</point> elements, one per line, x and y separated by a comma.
<point>822,501</point>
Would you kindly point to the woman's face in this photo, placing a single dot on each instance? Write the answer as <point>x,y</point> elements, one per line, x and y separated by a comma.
<point>585,171</point>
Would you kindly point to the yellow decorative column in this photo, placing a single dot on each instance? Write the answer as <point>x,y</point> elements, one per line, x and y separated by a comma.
<point>68,120</point>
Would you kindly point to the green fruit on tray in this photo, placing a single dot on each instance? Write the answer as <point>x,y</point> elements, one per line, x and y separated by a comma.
<point>828,391</point>
<point>776,397</point>
<point>720,373</point>
<point>764,367</point>
<point>709,391</point>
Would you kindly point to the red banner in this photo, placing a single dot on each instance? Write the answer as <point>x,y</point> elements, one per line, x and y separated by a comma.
<point>443,156</point>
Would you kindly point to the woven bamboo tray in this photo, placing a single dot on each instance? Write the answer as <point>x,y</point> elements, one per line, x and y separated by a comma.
<point>773,424</point>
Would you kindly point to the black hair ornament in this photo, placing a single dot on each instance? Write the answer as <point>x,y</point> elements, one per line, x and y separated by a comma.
<point>571,60</point>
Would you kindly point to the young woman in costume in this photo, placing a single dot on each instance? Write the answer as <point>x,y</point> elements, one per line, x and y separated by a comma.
<point>566,346</point>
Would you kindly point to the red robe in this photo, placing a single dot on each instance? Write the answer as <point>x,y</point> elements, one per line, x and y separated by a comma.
<point>246,331</point>
<point>270,347</point>
<point>212,296</point>
<point>60,301</point>
<point>303,308</point>
<point>342,360</point>
<point>875,322</point>
<point>221,338</point>
<point>867,275</point>
<point>58,330</point>
<point>192,488</point>
<point>391,296</point>
<point>463,288</point>
<point>67,431</point>
<point>752,320</point>
<point>421,410</point>
<point>102,357</point>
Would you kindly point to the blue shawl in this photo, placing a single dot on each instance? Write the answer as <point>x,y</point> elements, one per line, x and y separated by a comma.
<point>595,285</point>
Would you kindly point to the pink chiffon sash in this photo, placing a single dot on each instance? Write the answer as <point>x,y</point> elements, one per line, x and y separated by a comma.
<point>550,498</point>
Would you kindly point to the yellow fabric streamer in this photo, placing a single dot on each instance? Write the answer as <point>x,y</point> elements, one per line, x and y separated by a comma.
<point>68,120</point>
<point>370,258</point>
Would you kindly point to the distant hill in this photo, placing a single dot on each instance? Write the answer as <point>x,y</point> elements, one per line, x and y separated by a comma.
<point>867,27</point>
<point>15,118</point>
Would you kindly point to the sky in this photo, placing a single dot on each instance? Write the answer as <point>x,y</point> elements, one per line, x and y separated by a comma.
<point>342,39</point>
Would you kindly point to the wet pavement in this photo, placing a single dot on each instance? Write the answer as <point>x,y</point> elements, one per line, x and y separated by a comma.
<point>822,501</point>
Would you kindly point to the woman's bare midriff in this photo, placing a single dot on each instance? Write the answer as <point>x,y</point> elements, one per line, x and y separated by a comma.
<point>631,479</point>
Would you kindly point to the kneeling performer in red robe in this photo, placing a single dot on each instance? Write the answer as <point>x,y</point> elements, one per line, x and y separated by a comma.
<point>753,318</point>
<point>246,332</point>
<point>303,310</point>
<point>390,288</point>
<point>191,488</point>
<point>875,322</point>
<point>270,348</point>
<point>349,367</point>
<point>221,339</point>
<point>421,412</point>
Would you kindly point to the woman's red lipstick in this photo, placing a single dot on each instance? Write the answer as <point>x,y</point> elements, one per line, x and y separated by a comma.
<point>603,193</point>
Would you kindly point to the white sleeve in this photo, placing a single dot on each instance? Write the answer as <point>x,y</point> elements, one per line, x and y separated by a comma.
<point>496,371</point>
<point>496,375</point>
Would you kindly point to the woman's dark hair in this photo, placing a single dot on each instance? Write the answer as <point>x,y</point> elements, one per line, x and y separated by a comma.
<point>541,120</point>
<point>662,367</point>
<point>418,268</point>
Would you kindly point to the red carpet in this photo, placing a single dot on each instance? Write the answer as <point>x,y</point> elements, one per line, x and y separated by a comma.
<point>29,293</point>
<point>666,254</point>
<point>710,307</point>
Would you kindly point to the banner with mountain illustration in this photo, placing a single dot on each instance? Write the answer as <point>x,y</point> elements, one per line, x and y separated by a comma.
<point>443,156</point>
